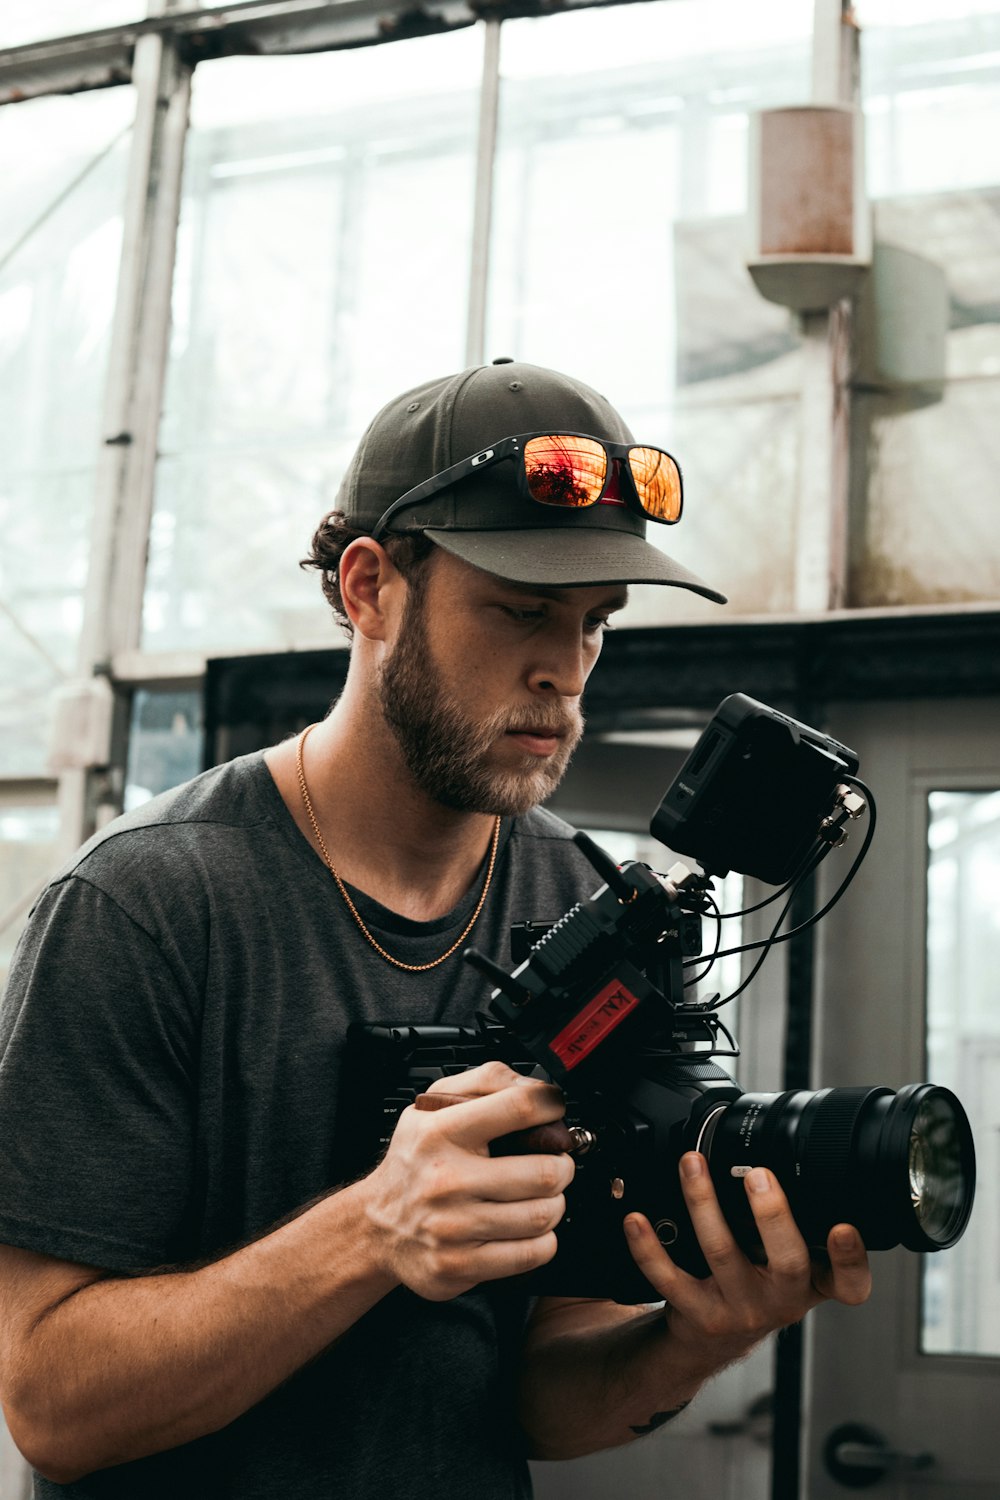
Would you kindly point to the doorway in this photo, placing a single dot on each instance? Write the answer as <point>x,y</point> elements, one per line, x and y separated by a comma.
<point>908,990</point>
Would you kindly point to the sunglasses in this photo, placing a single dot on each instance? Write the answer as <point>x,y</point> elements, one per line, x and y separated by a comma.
<point>569,471</point>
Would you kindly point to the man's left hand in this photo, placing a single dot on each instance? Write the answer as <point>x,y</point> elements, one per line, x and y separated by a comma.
<point>740,1302</point>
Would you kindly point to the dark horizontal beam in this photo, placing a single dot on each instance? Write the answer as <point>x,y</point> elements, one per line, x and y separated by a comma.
<point>651,673</point>
<point>659,676</point>
<point>103,57</point>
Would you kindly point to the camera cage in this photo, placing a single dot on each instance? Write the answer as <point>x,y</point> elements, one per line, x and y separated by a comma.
<point>760,794</point>
<point>600,1003</point>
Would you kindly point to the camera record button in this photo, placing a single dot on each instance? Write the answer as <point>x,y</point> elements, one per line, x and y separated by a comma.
<point>666,1232</point>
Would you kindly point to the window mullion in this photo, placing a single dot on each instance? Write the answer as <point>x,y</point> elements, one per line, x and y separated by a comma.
<point>133,397</point>
<point>489,104</point>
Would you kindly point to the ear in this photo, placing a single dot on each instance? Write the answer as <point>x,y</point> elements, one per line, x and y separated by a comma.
<point>372,588</point>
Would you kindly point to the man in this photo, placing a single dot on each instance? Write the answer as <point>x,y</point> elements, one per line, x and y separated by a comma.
<point>189,1302</point>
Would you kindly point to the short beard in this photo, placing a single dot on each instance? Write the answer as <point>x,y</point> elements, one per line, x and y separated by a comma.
<point>446,752</point>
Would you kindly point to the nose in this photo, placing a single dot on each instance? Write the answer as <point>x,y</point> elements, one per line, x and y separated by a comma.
<point>565,665</point>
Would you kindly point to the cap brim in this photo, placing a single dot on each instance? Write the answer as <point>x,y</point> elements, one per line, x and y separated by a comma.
<point>564,558</point>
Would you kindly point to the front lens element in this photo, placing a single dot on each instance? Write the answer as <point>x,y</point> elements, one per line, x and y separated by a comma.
<point>657,482</point>
<point>938,1168</point>
<point>565,471</point>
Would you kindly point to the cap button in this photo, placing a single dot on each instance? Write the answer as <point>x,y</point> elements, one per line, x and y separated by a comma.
<point>504,359</point>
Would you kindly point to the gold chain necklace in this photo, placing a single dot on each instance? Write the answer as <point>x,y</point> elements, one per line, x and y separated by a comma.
<point>412,968</point>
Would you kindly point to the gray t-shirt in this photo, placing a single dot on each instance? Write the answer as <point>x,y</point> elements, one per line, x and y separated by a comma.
<point>169,1049</point>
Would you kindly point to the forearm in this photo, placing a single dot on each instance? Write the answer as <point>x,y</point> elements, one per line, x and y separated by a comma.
<point>96,1370</point>
<point>599,1375</point>
<point>127,1367</point>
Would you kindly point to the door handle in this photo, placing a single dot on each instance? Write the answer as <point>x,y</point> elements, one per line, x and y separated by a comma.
<point>857,1456</point>
<point>757,1422</point>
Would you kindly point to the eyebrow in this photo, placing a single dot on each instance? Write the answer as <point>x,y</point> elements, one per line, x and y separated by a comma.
<point>617,601</point>
<point>561,595</point>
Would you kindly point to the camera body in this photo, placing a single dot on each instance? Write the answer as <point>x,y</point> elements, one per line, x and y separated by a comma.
<point>655,1116</point>
<point>597,1004</point>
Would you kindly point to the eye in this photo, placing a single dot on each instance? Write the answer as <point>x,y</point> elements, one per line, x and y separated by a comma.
<point>522,616</point>
<point>598,624</point>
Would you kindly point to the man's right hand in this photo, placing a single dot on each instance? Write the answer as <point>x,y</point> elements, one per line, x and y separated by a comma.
<point>98,1368</point>
<point>445,1214</point>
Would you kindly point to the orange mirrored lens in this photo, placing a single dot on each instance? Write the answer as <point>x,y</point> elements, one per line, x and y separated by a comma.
<point>567,471</point>
<point>657,482</point>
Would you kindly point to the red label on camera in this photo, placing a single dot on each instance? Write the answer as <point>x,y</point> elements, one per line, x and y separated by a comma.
<point>606,1010</point>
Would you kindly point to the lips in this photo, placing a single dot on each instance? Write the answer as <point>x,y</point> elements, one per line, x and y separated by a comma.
<point>543,740</point>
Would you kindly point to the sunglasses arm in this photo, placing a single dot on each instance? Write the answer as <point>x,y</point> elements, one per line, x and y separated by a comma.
<point>443,481</point>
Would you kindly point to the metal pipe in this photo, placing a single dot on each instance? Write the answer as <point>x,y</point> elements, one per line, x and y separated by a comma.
<point>489,108</point>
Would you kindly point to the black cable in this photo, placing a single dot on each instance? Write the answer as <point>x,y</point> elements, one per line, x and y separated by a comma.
<point>865,846</point>
<point>766,944</point>
<point>816,859</point>
<point>765,947</point>
<point>709,959</point>
<point>808,862</point>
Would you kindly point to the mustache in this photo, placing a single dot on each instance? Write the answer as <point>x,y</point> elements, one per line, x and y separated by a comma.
<point>563,721</point>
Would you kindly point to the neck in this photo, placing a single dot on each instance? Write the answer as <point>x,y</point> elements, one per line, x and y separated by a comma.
<point>384,835</point>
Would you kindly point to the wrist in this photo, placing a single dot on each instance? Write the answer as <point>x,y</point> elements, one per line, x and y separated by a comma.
<point>356,1210</point>
<point>697,1353</point>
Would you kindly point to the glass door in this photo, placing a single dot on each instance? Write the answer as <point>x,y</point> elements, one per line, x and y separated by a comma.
<point>960,1302</point>
<point>904,1391</point>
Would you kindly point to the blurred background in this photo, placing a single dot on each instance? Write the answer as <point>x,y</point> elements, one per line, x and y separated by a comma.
<point>770,234</point>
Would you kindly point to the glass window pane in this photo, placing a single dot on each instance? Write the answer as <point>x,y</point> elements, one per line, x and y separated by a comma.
<point>60,212</point>
<point>24,21</point>
<point>166,742</point>
<point>931,80</point>
<point>924,460</point>
<point>740,468</point>
<point>931,87</point>
<point>961,1302</point>
<point>956,232</point>
<point>619,251</point>
<point>322,267</point>
<point>29,832</point>
<point>924,527</point>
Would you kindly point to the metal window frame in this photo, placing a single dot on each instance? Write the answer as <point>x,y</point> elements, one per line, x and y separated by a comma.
<point>105,57</point>
<point>157,56</point>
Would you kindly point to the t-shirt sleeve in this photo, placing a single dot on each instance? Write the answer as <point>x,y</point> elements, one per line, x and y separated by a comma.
<point>97,1105</point>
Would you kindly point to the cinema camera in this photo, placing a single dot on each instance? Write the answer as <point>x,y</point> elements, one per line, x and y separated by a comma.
<point>599,1004</point>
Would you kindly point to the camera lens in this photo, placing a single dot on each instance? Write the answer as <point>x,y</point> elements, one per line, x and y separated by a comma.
<point>899,1166</point>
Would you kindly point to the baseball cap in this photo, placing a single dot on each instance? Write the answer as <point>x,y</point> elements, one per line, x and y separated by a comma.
<point>484,519</point>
